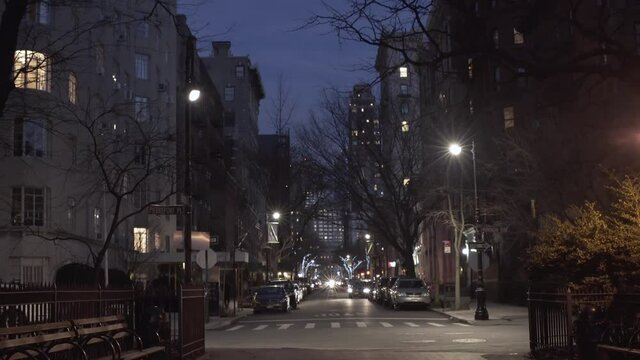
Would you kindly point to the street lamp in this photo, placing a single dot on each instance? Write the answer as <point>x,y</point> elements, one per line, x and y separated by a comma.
<point>272,237</point>
<point>481,301</point>
<point>275,216</point>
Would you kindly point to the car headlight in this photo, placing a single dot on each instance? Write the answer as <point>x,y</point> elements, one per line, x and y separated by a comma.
<point>402,294</point>
<point>366,290</point>
<point>350,290</point>
<point>425,294</point>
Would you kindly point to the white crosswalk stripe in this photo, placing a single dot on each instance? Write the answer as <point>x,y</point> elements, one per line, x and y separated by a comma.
<point>335,325</point>
<point>461,324</point>
<point>412,324</point>
<point>346,323</point>
<point>435,324</point>
<point>260,327</point>
<point>310,326</point>
<point>386,324</point>
<point>235,328</point>
<point>284,326</point>
<point>360,324</point>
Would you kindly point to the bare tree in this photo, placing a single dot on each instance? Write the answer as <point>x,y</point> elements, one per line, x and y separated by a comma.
<point>282,106</point>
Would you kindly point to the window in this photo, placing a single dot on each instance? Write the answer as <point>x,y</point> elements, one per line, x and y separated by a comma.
<point>509,117</point>
<point>405,126</point>
<point>140,155</point>
<point>39,11</point>
<point>229,118</point>
<point>497,78</point>
<point>518,37</point>
<point>470,68</point>
<point>141,108</point>
<point>404,108</point>
<point>142,30</point>
<point>100,59</point>
<point>71,213</point>
<point>229,93</point>
<point>28,205</point>
<point>405,182</point>
<point>239,71</point>
<point>605,56</point>
<point>142,66</point>
<point>404,71</point>
<point>31,70</point>
<point>404,89</point>
<point>29,137</point>
<point>140,240</point>
<point>496,38</point>
<point>140,196</point>
<point>73,88</point>
<point>354,133</point>
<point>471,110</point>
<point>522,78</point>
<point>32,270</point>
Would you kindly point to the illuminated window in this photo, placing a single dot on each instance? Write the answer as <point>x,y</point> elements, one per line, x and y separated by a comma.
<point>470,68</point>
<point>140,240</point>
<point>97,223</point>
<point>405,126</point>
<point>404,71</point>
<point>518,37</point>
<point>405,181</point>
<point>31,70</point>
<point>73,88</point>
<point>29,137</point>
<point>354,132</point>
<point>28,206</point>
<point>509,117</point>
<point>142,66</point>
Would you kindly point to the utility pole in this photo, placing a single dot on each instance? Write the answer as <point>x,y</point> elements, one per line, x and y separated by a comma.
<point>189,66</point>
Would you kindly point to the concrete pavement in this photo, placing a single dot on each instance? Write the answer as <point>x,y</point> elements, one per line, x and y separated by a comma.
<point>216,322</point>
<point>498,314</point>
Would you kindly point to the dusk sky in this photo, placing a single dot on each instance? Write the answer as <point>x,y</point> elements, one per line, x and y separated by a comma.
<point>310,59</point>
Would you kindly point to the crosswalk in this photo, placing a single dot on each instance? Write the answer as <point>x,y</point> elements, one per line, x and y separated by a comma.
<point>341,324</point>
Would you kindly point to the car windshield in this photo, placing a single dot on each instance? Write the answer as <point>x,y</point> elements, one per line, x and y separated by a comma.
<point>414,283</point>
<point>272,290</point>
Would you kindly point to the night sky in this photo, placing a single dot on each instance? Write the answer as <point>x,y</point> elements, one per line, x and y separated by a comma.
<point>309,59</point>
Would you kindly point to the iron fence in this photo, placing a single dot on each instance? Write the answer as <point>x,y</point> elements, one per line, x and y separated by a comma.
<point>557,316</point>
<point>177,314</point>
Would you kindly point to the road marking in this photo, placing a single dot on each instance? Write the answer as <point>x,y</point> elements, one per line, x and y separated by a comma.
<point>360,324</point>
<point>461,324</point>
<point>419,341</point>
<point>354,318</point>
<point>284,326</point>
<point>324,315</point>
<point>348,314</point>
<point>385,324</point>
<point>235,328</point>
<point>469,341</point>
<point>335,325</point>
<point>435,324</point>
<point>459,333</point>
<point>310,326</point>
<point>412,324</point>
<point>260,327</point>
<point>334,314</point>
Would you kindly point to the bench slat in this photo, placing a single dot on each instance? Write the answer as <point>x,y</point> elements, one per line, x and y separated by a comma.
<point>38,339</point>
<point>26,329</point>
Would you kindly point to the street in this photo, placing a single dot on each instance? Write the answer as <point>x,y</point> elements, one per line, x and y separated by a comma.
<point>329,325</point>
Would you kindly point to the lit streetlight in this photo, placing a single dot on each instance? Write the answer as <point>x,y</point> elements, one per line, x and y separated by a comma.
<point>481,301</point>
<point>194,95</point>
<point>275,215</point>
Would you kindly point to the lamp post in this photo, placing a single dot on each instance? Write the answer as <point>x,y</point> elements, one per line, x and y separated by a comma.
<point>481,301</point>
<point>272,237</point>
<point>192,96</point>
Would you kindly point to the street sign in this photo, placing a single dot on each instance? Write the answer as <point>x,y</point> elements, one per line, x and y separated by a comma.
<point>166,210</point>
<point>206,259</point>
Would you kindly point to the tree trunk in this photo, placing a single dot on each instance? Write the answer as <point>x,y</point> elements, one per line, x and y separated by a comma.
<point>409,265</point>
<point>457,304</point>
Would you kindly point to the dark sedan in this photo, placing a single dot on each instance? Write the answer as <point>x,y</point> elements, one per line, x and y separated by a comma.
<point>271,297</point>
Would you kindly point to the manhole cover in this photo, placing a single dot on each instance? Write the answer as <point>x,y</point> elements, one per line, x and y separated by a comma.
<point>469,341</point>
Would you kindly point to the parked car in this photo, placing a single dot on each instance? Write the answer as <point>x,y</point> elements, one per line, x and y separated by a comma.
<point>386,292</point>
<point>271,297</point>
<point>289,288</point>
<point>410,292</point>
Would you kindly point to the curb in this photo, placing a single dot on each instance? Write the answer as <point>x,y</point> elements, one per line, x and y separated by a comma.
<point>223,323</point>
<point>456,318</point>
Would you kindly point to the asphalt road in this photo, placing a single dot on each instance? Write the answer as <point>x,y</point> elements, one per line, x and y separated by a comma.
<point>329,325</point>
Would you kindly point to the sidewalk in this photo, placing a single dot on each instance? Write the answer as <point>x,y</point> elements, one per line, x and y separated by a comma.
<point>216,322</point>
<point>498,313</point>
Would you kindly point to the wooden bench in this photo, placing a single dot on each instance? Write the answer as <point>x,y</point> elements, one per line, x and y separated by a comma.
<point>38,341</point>
<point>115,331</point>
<point>604,352</point>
